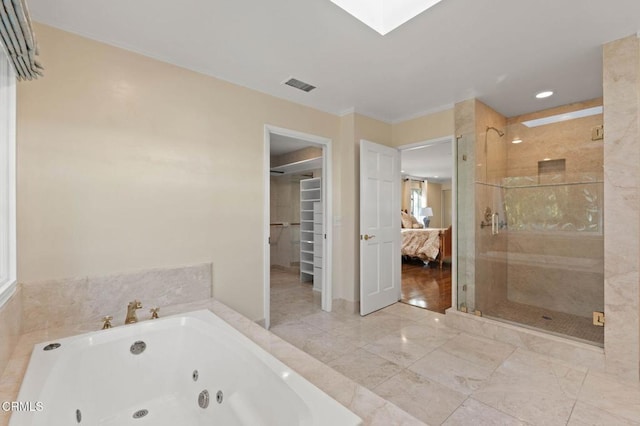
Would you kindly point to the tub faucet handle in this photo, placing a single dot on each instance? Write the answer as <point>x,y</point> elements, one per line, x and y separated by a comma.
<point>154,313</point>
<point>107,322</point>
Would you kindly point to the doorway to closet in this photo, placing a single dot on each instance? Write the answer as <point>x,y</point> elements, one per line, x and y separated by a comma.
<point>297,250</point>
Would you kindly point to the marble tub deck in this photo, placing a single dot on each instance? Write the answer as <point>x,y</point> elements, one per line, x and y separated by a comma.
<point>441,375</point>
<point>403,366</point>
<point>373,409</point>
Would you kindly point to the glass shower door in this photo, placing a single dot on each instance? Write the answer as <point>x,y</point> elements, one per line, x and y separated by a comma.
<point>530,227</point>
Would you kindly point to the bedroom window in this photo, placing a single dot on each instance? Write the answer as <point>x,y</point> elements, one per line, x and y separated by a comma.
<point>416,196</point>
<point>7,180</point>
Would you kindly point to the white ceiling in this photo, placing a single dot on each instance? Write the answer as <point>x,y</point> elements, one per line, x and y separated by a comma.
<point>280,144</point>
<point>500,51</point>
<point>433,162</point>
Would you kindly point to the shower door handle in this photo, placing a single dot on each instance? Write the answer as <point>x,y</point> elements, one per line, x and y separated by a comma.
<point>495,224</point>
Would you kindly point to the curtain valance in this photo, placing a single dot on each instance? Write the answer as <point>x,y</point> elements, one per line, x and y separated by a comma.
<point>18,39</point>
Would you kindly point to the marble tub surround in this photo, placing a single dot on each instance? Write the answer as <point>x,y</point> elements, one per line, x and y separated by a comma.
<point>10,327</point>
<point>57,303</point>
<point>369,406</point>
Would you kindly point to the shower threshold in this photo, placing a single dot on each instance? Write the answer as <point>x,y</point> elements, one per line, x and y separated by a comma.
<point>557,323</point>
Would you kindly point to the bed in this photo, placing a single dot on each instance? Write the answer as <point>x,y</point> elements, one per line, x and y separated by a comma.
<point>427,244</point>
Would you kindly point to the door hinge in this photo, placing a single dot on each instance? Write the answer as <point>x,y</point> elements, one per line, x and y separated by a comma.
<point>598,319</point>
<point>269,241</point>
<point>597,133</point>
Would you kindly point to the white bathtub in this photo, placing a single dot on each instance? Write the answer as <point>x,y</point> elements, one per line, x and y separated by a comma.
<point>95,379</point>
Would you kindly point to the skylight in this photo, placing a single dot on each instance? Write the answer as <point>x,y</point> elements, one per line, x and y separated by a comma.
<point>385,15</point>
<point>563,117</point>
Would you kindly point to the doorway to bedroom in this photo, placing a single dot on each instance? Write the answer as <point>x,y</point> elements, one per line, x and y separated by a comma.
<point>427,217</point>
<point>297,269</point>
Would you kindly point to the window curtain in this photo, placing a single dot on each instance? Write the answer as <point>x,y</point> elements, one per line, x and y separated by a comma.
<point>423,197</point>
<point>7,180</point>
<point>18,39</point>
<point>406,195</point>
<point>407,185</point>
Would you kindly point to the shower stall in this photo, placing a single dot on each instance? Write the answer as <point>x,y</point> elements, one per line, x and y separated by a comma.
<point>530,225</point>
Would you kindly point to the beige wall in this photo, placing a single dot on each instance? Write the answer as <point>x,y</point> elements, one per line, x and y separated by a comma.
<point>447,207</point>
<point>434,200</point>
<point>432,126</point>
<point>128,163</point>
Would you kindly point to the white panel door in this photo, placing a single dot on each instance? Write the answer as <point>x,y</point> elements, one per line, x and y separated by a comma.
<point>379,226</point>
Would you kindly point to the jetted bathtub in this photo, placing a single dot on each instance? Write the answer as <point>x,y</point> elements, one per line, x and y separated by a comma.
<point>189,369</point>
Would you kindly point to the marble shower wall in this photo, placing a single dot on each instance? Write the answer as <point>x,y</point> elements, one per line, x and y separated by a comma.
<point>10,327</point>
<point>491,250</point>
<point>569,140</point>
<point>65,302</point>
<point>622,201</point>
<point>556,236</point>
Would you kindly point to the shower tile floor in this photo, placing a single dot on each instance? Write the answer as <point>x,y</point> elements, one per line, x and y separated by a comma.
<point>444,376</point>
<point>560,323</point>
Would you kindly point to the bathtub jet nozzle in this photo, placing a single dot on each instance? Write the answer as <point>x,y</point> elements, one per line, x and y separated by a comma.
<point>203,399</point>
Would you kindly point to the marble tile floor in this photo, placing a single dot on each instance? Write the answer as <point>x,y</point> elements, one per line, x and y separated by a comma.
<point>440,375</point>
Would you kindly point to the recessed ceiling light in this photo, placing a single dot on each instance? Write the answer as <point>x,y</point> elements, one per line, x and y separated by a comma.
<point>517,140</point>
<point>544,94</point>
<point>385,15</point>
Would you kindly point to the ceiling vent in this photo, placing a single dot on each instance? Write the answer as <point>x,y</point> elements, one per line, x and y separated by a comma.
<point>299,84</point>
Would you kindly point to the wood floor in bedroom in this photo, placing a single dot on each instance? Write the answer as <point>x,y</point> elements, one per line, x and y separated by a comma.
<point>426,286</point>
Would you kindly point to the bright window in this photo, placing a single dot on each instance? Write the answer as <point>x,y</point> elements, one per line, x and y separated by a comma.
<point>416,196</point>
<point>7,179</point>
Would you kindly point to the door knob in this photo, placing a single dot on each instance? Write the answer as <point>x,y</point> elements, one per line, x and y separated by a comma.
<point>368,237</point>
